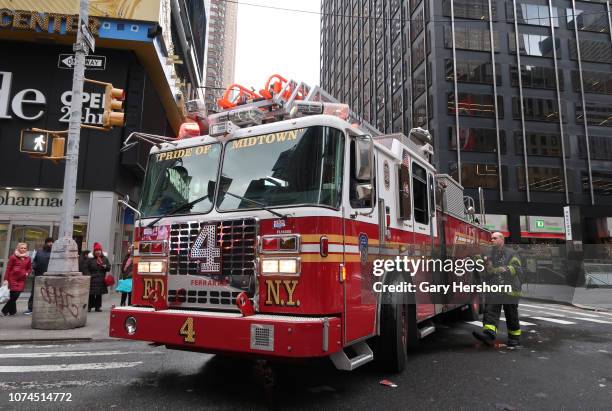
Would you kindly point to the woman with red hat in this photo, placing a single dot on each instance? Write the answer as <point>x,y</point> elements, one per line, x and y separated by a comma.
<point>96,266</point>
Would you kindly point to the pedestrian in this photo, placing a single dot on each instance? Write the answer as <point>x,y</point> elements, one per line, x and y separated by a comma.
<point>83,259</point>
<point>503,267</point>
<point>18,268</point>
<point>126,273</point>
<point>96,266</point>
<point>40,264</point>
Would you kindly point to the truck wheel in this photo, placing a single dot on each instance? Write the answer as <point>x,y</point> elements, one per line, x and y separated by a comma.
<point>393,339</point>
<point>472,312</point>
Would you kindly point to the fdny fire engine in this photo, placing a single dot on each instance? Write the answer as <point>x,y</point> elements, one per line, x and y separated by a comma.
<point>256,235</point>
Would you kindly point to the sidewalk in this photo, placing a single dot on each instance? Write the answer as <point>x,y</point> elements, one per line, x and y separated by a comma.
<point>588,298</point>
<point>18,328</point>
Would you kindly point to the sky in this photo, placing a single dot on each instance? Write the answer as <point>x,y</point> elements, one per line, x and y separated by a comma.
<point>277,42</point>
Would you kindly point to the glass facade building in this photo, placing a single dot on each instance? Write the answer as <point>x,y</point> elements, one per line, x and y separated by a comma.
<point>531,125</point>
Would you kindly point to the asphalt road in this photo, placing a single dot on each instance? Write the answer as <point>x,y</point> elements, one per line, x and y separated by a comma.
<point>565,363</point>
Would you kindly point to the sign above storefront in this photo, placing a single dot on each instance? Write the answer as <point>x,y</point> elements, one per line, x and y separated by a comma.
<point>39,202</point>
<point>538,224</point>
<point>496,222</point>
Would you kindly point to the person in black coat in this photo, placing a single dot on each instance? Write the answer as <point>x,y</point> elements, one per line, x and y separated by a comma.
<point>40,265</point>
<point>96,266</point>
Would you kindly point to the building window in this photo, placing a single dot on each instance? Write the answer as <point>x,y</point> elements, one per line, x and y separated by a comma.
<point>418,24</point>
<point>537,109</point>
<point>533,14</point>
<point>418,84</point>
<point>536,77</point>
<point>470,39</point>
<point>470,9</point>
<point>535,45</point>
<point>591,20</point>
<point>600,147</point>
<point>482,140</point>
<point>592,51</point>
<point>476,105</point>
<point>418,54</point>
<point>414,4</point>
<point>598,82</point>
<point>602,183</point>
<point>475,175</point>
<point>539,144</point>
<point>471,71</point>
<point>597,114</point>
<point>542,179</point>
<point>419,114</point>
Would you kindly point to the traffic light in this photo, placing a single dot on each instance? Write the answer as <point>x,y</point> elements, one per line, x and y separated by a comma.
<point>34,142</point>
<point>113,107</point>
<point>57,148</point>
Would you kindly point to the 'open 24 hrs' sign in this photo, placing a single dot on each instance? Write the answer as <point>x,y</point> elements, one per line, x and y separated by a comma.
<point>205,250</point>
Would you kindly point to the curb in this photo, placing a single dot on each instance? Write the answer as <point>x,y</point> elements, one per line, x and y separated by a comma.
<point>591,308</point>
<point>56,340</point>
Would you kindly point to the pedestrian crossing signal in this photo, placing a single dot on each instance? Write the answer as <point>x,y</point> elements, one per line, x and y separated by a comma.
<point>34,142</point>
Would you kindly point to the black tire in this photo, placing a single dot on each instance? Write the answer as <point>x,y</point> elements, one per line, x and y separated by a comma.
<point>391,349</point>
<point>472,312</point>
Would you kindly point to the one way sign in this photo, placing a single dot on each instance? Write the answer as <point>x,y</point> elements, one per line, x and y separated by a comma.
<point>66,61</point>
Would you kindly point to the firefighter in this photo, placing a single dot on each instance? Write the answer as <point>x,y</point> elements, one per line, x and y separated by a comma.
<point>503,267</point>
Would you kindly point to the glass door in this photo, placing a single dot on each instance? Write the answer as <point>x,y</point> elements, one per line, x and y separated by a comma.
<point>32,234</point>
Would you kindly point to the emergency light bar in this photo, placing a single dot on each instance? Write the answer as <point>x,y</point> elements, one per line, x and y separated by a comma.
<point>246,117</point>
<point>302,108</point>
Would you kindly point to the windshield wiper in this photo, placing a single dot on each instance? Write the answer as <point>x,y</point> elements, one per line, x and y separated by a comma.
<point>182,207</point>
<point>263,206</point>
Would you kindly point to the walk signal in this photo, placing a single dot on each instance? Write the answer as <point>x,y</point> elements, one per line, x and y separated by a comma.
<point>34,142</point>
<point>113,107</point>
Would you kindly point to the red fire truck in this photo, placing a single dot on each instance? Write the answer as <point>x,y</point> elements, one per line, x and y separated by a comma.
<point>258,238</point>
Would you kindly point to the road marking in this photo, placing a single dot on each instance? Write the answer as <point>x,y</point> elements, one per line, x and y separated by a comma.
<point>552,320</point>
<point>573,317</point>
<point>593,320</point>
<point>479,323</point>
<point>69,354</point>
<point>67,367</point>
<point>562,310</point>
<point>525,323</point>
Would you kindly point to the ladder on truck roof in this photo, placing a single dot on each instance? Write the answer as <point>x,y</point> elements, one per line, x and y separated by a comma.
<point>276,102</point>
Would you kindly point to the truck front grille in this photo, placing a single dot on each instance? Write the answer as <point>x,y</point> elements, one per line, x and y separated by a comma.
<point>237,240</point>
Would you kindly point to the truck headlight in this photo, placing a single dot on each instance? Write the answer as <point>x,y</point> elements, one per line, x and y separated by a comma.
<point>151,267</point>
<point>282,266</point>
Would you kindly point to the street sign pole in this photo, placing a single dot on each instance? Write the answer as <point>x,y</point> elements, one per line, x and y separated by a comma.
<point>61,294</point>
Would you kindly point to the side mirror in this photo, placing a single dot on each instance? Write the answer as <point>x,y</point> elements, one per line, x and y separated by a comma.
<point>364,150</point>
<point>363,191</point>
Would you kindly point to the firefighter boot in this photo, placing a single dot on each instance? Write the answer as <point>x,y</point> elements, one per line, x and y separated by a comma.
<point>513,341</point>
<point>486,336</point>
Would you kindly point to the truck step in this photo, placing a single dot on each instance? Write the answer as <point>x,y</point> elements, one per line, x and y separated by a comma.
<point>426,330</point>
<point>363,355</point>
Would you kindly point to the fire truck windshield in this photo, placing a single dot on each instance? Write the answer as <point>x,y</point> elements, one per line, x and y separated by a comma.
<point>175,178</point>
<point>294,167</point>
